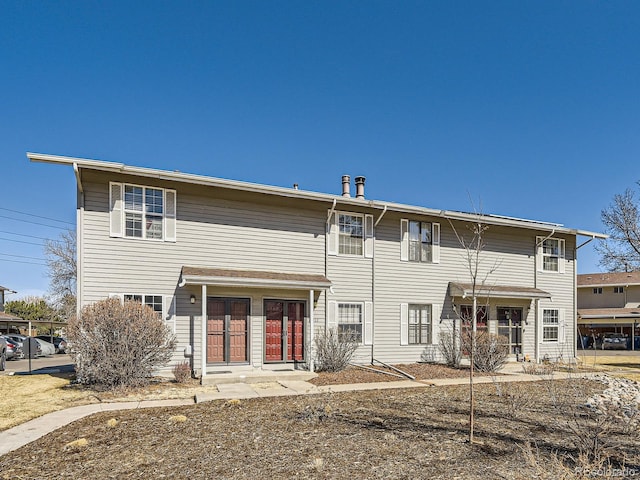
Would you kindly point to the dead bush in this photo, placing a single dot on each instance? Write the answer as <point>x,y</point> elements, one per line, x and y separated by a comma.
<point>182,372</point>
<point>449,345</point>
<point>491,350</point>
<point>334,350</point>
<point>118,344</point>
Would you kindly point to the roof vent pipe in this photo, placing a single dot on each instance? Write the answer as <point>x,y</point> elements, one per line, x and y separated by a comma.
<point>346,185</point>
<point>360,187</point>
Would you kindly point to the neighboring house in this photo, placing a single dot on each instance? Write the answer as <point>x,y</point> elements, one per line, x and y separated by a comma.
<point>247,274</point>
<point>6,319</point>
<point>609,302</point>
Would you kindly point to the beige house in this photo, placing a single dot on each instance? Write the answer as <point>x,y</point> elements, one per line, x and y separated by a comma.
<point>609,302</point>
<point>246,275</point>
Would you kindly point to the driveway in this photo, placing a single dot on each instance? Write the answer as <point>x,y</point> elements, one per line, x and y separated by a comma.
<point>50,364</point>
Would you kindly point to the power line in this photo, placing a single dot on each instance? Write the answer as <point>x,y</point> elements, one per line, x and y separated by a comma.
<point>37,216</point>
<point>34,223</point>
<point>25,235</point>
<point>21,241</point>
<point>23,256</point>
<point>22,261</point>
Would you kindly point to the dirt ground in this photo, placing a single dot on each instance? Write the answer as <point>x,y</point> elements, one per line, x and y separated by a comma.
<point>390,434</point>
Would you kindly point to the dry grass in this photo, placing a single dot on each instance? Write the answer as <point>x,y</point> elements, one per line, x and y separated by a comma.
<point>25,397</point>
<point>401,433</point>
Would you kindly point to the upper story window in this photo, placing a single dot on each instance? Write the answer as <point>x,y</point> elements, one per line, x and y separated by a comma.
<point>550,254</point>
<point>142,212</point>
<point>597,291</point>
<point>351,234</point>
<point>419,241</point>
<point>618,289</point>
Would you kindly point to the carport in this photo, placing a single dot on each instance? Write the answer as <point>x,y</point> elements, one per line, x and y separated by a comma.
<point>620,320</point>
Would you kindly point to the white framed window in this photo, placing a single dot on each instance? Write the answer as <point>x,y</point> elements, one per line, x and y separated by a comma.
<point>163,305</point>
<point>597,291</point>
<point>550,325</point>
<point>154,301</point>
<point>419,241</point>
<point>550,254</point>
<point>618,289</point>
<point>350,318</point>
<point>350,234</point>
<point>419,324</point>
<point>138,211</point>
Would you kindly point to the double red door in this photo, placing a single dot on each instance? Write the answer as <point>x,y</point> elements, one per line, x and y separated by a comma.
<point>284,331</point>
<point>227,330</point>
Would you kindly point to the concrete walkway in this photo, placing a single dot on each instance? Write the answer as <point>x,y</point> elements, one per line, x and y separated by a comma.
<point>25,433</point>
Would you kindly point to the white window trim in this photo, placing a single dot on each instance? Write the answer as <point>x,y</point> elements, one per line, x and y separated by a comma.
<point>540,255</point>
<point>168,305</point>
<point>404,242</point>
<point>366,308</point>
<point>404,324</point>
<point>117,212</point>
<point>561,326</point>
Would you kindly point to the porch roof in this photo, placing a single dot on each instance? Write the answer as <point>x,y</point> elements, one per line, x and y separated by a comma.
<point>465,290</point>
<point>252,278</point>
<point>587,315</point>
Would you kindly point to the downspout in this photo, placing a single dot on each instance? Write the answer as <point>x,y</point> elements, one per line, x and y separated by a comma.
<point>79,237</point>
<point>203,335</point>
<point>326,267</point>
<point>373,285</point>
<point>536,310</point>
<point>311,329</point>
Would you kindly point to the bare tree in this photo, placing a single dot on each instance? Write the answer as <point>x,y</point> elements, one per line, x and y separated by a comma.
<point>473,245</point>
<point>63,272</point>
<point>621,252</point>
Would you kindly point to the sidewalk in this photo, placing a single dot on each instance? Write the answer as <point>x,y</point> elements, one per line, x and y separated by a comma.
<point>20,435</point>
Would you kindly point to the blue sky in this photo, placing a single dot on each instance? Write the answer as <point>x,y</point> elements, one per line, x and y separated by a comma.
<point>527,109</point>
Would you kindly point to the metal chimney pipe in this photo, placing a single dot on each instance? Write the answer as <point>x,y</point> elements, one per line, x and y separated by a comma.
<point>360,187</point>
<point>346,185</point>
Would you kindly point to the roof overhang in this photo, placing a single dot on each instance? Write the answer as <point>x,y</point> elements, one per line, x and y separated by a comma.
<point>465,290</point>
<point>252,279</point>
<point>608,314</point>
<point>188,178</point>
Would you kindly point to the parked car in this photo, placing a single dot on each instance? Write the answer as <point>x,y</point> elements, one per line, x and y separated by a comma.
<point>59,342</point>
<point>47,348</point>
<point>3,353</point>
<point>614,341</point>
<point>14,349</point>
<point>19,339</point>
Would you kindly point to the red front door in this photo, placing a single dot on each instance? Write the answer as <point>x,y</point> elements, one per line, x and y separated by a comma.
<point>227,330</point>
<point>284,331</point>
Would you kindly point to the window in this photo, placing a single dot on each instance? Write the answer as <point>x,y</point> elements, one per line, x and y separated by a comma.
<point>153,301</point>
<point>350,234</point>
<point>350,320</point>
<point>551,254</point>
<point>550,325</point>
<point>618,289</point>
<point>597,291</point>
<point>142,212</point>
<point>420,242</point>
<point>419,324</point>
<point>467,317</point>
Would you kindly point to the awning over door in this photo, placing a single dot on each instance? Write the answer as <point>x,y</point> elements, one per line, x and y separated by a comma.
<point>465,290</point>
<point>252,278</point>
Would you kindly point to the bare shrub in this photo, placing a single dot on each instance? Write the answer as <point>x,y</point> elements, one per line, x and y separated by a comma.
<point>491,350</point>
<point>515,396</point>
<point>334,350</point>
<point>118,345</point>
<point>182,372</point>
<point>449,346</point>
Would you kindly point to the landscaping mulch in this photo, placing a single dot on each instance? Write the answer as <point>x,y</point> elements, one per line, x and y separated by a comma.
<point>378,434</point>
<point>421,371</point>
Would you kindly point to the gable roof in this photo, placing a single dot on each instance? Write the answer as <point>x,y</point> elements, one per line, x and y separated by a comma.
<point>176,176</point>
<point>608,279</point>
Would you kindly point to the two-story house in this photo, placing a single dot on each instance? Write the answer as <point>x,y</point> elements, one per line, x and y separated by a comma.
<point>609,302</point>
<point>246,275</point>
<point>7,320</point>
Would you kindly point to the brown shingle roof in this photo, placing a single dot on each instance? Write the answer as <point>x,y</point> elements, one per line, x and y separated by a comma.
<point>498,291</point>
<point>254,276</point>
<point>616,278</point>
<point>608,312</point>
